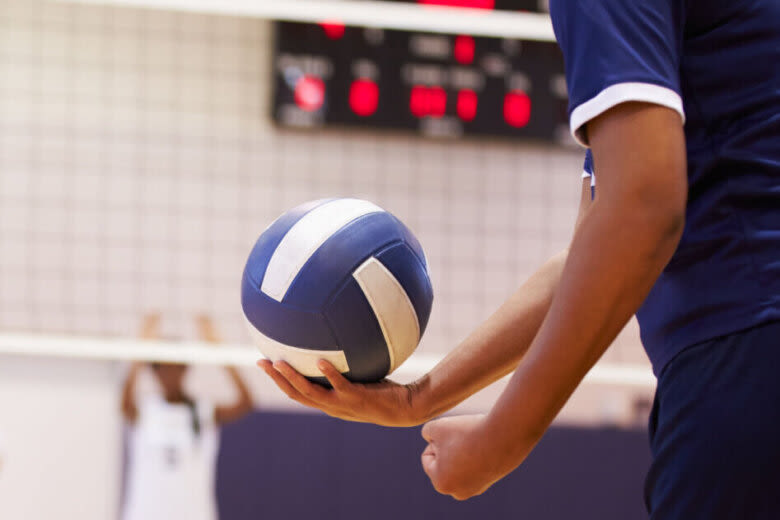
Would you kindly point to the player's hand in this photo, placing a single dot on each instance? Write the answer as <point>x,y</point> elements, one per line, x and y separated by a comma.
<point>385,403</point>
<point>458,458</point>
<point>150,328</point>
<point>206,329</point>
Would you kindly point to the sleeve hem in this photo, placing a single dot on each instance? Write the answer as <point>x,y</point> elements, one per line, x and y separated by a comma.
<point>622,93</point>
<point>586,174</point>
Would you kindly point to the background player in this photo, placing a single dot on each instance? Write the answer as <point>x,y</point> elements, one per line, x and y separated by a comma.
<point>684,230</point>
<point>174,441</point>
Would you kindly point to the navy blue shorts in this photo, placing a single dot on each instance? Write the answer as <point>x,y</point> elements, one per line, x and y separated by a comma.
<point>715,431</point>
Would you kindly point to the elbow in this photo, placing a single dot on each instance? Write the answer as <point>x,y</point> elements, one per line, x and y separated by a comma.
<point>675,226</point>
<point>656,210</point>
<point>668,220</point>
<point>665,193</point>
<point>661,216</point>
<point>670,233</point>
<point>666,203</point>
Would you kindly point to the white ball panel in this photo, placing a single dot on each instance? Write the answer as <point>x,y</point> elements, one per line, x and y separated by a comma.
<point>392,307</point>
<point>305,237</point>
<point>302,360</point>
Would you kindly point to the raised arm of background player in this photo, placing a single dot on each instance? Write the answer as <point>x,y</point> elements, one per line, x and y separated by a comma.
<point>622,245</point>
<point>150,329</point>
<point>243,402</point>
<point>489,353</point>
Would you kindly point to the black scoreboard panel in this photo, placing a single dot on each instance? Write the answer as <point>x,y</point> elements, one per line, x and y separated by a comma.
<point>448,85</point>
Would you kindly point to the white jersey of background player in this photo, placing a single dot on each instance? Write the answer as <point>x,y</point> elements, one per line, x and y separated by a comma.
<point>171,470</point>
<point>174,440</point>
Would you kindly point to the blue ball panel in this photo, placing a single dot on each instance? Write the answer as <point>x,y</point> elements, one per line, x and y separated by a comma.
<point>269,240</point>
<point>285,323</point>
<point>412,241</point>
<point>339,256</point>
<point>357,330</point>
<point>403,263</point>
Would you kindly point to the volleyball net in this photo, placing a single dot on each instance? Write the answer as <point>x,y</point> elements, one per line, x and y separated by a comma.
<point>139,162</point>
<point>197,353</point>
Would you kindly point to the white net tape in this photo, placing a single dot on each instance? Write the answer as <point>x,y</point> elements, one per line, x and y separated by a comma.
<point>200,353</point>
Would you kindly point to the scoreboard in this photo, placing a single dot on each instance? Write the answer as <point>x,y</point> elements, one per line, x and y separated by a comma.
<point>434,84</point>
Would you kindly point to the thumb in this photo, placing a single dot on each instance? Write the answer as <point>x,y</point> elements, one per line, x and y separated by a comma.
<point>428,459</point>
<point>429,430</point>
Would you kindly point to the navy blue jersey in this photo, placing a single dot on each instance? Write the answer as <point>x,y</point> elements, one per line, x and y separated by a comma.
<point>587,168</point>
<point>716,63</point>
<point>587,172</point>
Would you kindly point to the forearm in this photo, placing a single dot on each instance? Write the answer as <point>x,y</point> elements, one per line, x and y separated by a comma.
<point>494,349</point>
<point>243,391</point>
<point>129,408</point>
<point>615,258</point>
<point>242,405</point>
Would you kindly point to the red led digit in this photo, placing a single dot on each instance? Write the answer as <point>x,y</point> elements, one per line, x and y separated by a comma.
<point>427,101</point>
<point>309,93</point>
<point>517,108</point>
<point>418,101</point>
<point>437,100</point>
<point>467,105</point>
<point>363,97</point>
<point>464,49</point>
<point>333,29</point>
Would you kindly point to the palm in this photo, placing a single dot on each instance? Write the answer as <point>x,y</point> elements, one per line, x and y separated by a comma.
<point>385,403</point>
<point>378,403</point>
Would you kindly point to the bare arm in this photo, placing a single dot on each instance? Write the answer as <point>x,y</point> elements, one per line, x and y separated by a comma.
<point>243,403</point>
<point>241,406</point>
<point>129,406</point>
<point>489,353</point>
<point>620,248</point>
<point>150,329</point>
<point>496,347</point>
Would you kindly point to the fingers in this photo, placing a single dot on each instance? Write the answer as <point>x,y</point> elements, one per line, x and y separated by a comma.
<point>296,386</point>
<point>429,430</point>
<point>284,385</point>
<point>335,378</point>
<point>342,401</point>
<point>151,326</point>
<point>206,328</point>
<point>301,384</point>
<point>428,459</point>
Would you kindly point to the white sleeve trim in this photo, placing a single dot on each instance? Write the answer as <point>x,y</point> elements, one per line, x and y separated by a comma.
<point>586,174</point>
<point>622,93</point>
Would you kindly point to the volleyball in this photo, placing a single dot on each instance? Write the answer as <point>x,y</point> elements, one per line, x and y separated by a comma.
<point>341,280</point>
